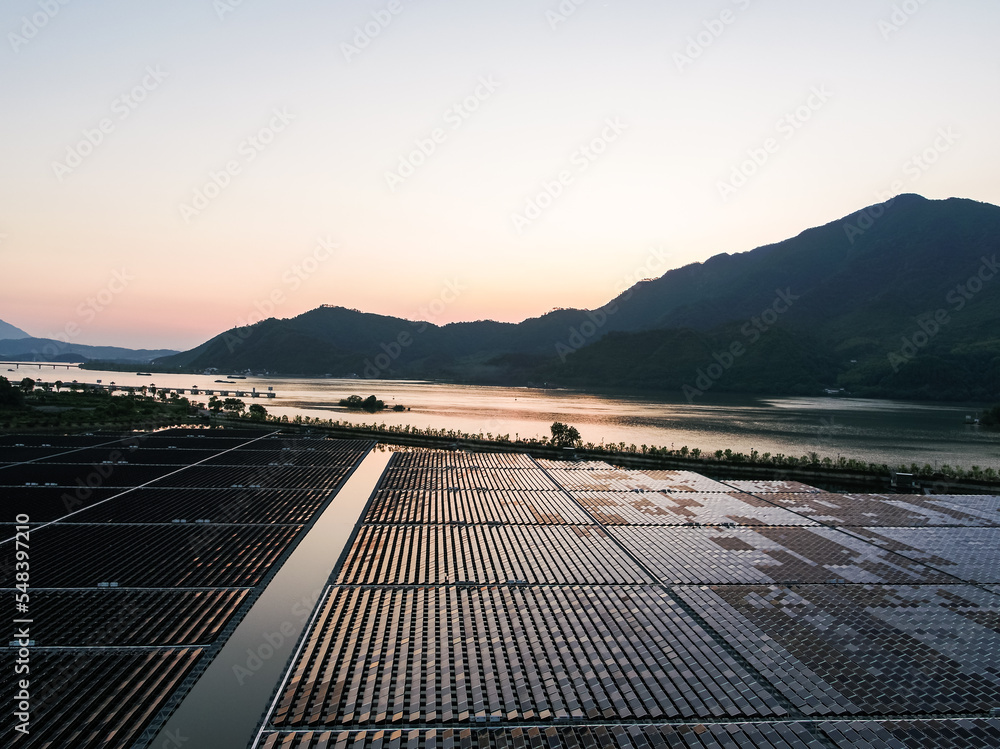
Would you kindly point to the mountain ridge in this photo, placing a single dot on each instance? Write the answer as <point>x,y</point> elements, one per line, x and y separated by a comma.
<point>845,296</point>
<point>8,331</point>
<point>48,349</point>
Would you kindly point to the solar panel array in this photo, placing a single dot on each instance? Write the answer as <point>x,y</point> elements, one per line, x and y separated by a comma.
<point>146,549</point>
<point>500,601</point>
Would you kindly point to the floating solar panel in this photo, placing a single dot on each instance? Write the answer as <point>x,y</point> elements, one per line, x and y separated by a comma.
<point>465,506</point>
<point>153,556</point>
<point>116,617</point>
<point>94,699</point>
<point>446,654</point>
<point>969,554</point>
<point>416,555</point>
<point>756,486</point>
<point>767,554</point>
<point>438,459</point>
<point>229,506</point>
<point>872,649</point>
<point>684,508</point>
<point>760,735</point>
<point>476,479</point>
<point>910,734</point>
<point>624,480</point>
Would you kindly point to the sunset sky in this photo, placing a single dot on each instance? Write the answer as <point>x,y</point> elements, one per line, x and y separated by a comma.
<point>170,169</point>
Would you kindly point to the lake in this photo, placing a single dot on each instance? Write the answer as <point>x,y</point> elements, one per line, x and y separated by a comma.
<point>882,431</point>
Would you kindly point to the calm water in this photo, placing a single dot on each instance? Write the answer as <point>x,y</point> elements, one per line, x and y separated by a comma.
<point>874,430</point>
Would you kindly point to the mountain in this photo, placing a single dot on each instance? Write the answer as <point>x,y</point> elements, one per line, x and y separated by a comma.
<point>899,299</point>
<point>9,331</point>
<point>47,349</point>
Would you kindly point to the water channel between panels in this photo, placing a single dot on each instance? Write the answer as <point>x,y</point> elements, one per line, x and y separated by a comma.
<point>225,705</point>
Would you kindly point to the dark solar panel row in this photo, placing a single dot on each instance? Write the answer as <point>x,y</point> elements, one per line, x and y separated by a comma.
<point>93,699</point>
<point>237,506</point>
<point>113,617</point>
<point>70,475</point>
<point>129,455</point>
<point>907,734</point>
<point>438,554</point>
<point>295,453</point>
<point>708,736</point>
<point>154,556</point>
<point>512,653</point>
<point>264,476</point>
<point>465,506</point>
<point>46,503</point>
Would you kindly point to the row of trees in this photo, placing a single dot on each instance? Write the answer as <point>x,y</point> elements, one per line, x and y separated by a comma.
<point>568,436</point>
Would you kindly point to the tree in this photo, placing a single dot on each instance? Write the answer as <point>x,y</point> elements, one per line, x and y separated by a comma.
<point>235,405</point>
<point>257,412</point>
<point>59,384</point>
<point>564,435</point>
<point>27,384</point>
<point>214,404</point>
<point>991,417</point>
<point>357,403</point>
<point>9,395</point>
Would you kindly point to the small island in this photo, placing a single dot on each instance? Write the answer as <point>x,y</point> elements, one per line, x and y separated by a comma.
<point>371,404</point>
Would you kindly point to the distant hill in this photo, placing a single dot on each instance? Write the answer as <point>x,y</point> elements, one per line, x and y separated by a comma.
<point>851,304</point>
<point>8,331</point>
<point>47,349</point>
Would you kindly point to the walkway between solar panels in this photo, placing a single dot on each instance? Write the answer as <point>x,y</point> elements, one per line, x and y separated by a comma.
<point>225,705</point>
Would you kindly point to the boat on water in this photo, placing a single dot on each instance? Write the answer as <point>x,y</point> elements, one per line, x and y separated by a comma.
<point>145,374</point>
<point>236,377</point>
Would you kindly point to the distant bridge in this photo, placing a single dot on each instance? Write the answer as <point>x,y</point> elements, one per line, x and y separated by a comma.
<point>39,364</point>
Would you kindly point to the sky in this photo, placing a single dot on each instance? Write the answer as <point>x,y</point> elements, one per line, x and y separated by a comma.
<point>169,170</point>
